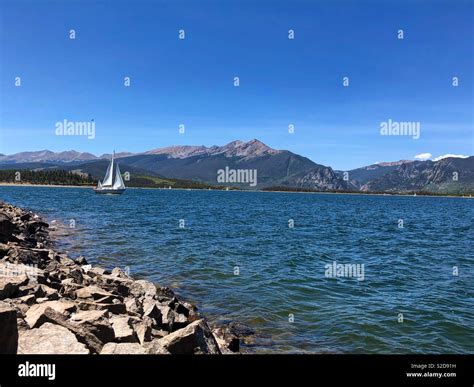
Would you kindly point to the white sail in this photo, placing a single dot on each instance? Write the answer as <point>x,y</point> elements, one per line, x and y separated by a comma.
<point>118,183</point>
<point>109,174</point>
<point>112,182</point>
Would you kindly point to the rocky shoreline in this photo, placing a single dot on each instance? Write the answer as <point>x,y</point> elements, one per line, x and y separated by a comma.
<point>52,304</point>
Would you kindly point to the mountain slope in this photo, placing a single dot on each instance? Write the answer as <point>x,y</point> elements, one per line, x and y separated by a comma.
<point>449,175</point>
<point>363,175</point>
<point>202,164</point>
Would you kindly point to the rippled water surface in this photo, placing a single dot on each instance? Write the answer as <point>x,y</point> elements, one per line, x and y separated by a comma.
<point>282,269</point>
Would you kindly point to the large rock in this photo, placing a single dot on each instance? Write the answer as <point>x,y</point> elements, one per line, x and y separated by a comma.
<point>123,330</point>
<point>179,321</point>
<point>123,349</point>
<point>117,272</point>
<point>158,333</point>
<point>48,292</point>
<point>150,309</point>
<point>240,330</point>
<point>7,288</point>
<point>117,285</point>
<point>189,310</point>
<point>9,285</point>
<point>152,348</point>
<point>8,329</point>
<point>171,320</point>
<point>29,299</point>
<point>165,294</point>
<point>143,329</point>
<point>112,308</point>
<point>75,274</point>
<point>133,306</point>
<point>227,341</point>
<point>95,271</point>
<point>90,316</point>
<point>93,292</point>
<point>29,256</point>
<point>36,225</point>
<point>82,332</point>
<point>196,338</point>
<point>36,315</point>
<point>38,291</point>
<point>6,228</point>
<point>156,348</point>
<point>143,288</point>
<point>166,315</point>
<point>96,322</point>
<point>49,339</point>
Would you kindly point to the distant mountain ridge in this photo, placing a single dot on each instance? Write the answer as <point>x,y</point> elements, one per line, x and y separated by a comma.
<point>47,156</point>
<point>276,168</point>
<point>252,148</point>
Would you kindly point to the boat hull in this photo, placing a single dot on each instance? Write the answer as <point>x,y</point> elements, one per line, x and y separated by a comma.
<point>109,191</point>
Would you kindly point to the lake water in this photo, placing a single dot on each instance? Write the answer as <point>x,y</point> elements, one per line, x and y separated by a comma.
<point>281,289</point>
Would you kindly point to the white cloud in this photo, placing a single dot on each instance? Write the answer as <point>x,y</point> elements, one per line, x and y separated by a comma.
<point>423,156</point>
<point>450,155</point>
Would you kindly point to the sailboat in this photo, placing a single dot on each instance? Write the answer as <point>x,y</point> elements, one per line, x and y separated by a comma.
<point>111,184</point>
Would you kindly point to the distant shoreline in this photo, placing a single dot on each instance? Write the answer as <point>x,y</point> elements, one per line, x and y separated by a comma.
<point>4,184</point>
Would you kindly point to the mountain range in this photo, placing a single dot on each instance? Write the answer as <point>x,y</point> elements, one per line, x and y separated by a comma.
<point>275,168</point>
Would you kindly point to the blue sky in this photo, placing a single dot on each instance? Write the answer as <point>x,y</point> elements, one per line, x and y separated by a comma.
<point>282,81</point>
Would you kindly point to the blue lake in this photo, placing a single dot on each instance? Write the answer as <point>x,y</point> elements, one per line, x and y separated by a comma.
<point>281,289</point>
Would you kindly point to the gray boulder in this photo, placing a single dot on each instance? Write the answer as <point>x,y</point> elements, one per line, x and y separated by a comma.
<point>143,288</point>
<point>95,322</point>
<point>156,348</point>
<point>123,349</point>
<point>8,329</point>
<point>150,309</point>
<point>6,228</point>
<point>37,315</point>
<point>9,285</point>
<point>49,339</point>
<point>82,332</point>
<point>123,329</point>
<point>196,338</point>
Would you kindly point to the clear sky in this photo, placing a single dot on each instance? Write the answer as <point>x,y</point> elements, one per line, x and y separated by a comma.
<point>282,81</point>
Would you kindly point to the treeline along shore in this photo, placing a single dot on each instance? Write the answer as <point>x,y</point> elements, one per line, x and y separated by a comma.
<point>59,177</point>
<point>53,304</point>
<point>47,177</point>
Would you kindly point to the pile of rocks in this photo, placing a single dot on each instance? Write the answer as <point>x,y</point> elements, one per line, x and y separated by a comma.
<point>52,304</point>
